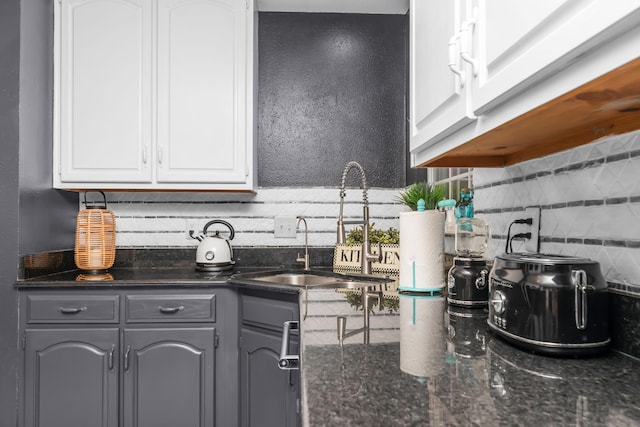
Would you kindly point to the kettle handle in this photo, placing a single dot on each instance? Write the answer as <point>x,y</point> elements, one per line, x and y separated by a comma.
<point>219,221</point>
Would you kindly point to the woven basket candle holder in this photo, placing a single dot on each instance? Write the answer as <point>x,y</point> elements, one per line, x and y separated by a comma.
<point>95,248</point>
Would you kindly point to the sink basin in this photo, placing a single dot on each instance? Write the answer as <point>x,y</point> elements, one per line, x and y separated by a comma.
<point>298,279</point>
<point>305,279</point>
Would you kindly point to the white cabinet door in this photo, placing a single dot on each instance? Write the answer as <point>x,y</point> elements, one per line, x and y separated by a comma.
<point>440,102</point>
<point>202,81</point>
<point>519,43</point>
<point>154,94</point>
<point>104,92</point>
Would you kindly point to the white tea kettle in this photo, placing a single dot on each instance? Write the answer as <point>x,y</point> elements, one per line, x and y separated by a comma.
<point>214,252</point>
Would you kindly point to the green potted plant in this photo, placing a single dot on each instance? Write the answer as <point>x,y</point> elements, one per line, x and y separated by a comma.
<point>431,194</point>
<point>388,237</point>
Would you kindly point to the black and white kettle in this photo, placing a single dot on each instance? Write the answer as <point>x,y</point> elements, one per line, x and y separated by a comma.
<point>214,252</point>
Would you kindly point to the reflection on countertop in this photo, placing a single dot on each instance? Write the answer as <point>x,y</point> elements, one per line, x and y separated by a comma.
<point>431,364</point>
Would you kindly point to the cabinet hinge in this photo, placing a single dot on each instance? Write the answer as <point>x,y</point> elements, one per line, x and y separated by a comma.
<point>216,340</point>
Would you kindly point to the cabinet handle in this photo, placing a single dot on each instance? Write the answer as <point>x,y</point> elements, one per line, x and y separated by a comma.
<point>72,310</point>
<point>466,37</point>
<point>145,154</point>
<point>170,310</point>
<point>113,348</point>
<point>159,155</point>
<point>126,358</point>
<point>453,58</point>
<point>288,361</point>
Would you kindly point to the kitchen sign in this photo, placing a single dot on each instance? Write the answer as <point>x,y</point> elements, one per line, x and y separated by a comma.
<point>346,259</point>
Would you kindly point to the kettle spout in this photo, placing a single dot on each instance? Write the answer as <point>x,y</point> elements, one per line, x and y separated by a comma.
<point>199,237</point>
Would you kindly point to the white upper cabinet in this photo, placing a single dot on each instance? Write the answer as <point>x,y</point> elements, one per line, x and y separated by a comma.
<point>440,79</point>
<point>478,64</point>
<point>154,94</point>
<point>202,127</point>
<point>518,43</point>
<point>105,91</point>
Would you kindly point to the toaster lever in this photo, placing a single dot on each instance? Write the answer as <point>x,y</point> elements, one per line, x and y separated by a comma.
<point>579,278</point>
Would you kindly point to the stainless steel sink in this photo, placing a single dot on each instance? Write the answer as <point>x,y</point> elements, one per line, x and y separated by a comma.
<point>306,279</point>
<point>298,279</point>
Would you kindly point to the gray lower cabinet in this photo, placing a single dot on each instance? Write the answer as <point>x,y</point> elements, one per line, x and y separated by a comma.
<point>71,377</point>
<point>269,396</point>
<point>169,377</point>
<point>150,363</point>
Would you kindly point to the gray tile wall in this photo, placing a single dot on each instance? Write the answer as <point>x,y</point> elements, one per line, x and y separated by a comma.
<point>590,200</point>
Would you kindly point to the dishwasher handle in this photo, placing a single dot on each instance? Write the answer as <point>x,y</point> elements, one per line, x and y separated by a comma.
<point>288,361</point>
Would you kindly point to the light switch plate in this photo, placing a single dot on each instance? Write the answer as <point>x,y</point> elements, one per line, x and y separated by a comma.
<point>533,244</point>
<point>284,227</point>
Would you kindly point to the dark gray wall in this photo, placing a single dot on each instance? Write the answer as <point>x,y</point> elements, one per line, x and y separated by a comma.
<point>33,217</point>
<point>332,88</point>
<point>47,216</point>
<point>9,107</point>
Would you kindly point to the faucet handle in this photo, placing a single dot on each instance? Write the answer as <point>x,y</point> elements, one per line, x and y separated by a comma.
<point>304,259</point>
<point>379,295</point>
<point>379,252</point>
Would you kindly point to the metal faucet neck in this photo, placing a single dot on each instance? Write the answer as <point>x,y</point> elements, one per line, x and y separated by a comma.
<point>365,200</point>
<point>367,257</point>
<point>363,180</point>
<point>305,258</point>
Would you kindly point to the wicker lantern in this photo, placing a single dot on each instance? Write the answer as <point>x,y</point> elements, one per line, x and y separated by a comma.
<point>95,236</point>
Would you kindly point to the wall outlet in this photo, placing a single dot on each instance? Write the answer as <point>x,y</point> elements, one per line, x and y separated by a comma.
<point>533,244</point>
<point>284,227</point>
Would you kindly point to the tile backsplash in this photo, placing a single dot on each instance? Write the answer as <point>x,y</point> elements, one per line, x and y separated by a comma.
<point>590,204</point>
<point>152,220</point>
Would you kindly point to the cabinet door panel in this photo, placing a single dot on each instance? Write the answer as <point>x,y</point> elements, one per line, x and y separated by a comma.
<point>169,377</point>
<point>71,378</point>
<point>268,394</point>
<point>520,43</point>
<point>105,96</point>
<point>439,98</point>
<point>201,91</point>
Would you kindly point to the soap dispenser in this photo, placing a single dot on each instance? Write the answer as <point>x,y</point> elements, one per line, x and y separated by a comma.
<point>448,205</point>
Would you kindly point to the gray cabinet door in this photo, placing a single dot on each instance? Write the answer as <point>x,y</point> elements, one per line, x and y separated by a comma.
<point>71,377</point>
<point>269,395</point>
<point>169,377</point>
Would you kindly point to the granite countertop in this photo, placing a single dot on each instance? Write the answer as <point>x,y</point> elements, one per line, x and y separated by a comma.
<point>119,277</point>
<point>428,363</point>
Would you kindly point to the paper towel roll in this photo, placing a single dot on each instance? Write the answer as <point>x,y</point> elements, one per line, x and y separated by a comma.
<point>422,340</point>
<point>422,251</point>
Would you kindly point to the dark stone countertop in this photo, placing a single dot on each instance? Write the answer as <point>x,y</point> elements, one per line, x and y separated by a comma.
<point>130,277</point>
<point>442,366</point>
<point>445,369</point>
